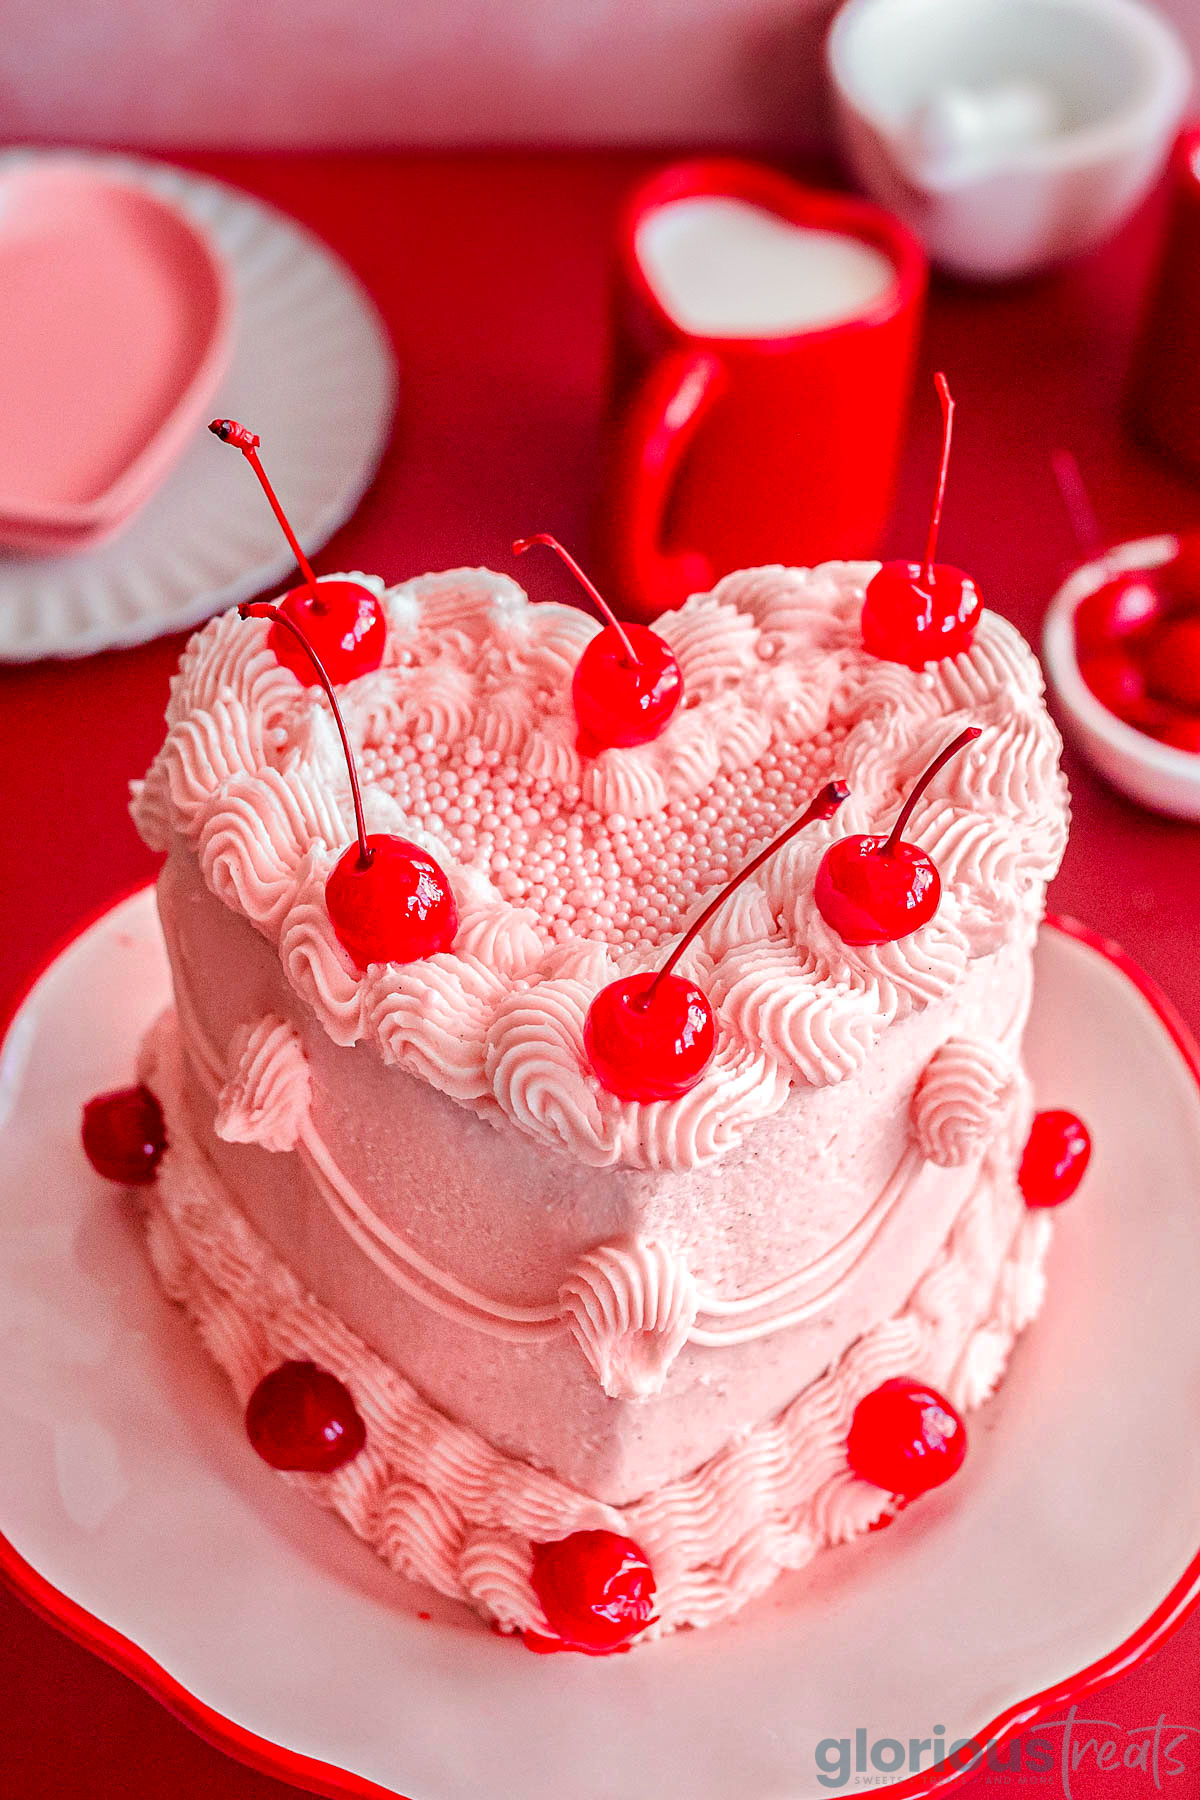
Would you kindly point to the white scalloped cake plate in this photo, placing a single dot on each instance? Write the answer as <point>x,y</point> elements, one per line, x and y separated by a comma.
<point>138,1520</point>
<point>310,370</point>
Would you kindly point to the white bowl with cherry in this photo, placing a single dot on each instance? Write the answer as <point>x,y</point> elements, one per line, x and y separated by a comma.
<point>1121,644</point>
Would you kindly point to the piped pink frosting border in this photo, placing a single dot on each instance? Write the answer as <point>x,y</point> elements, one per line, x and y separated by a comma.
<point>251,778</point>
<point>444,1507</point>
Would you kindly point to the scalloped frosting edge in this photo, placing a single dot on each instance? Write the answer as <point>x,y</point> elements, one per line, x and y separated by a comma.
<point>250,780</point>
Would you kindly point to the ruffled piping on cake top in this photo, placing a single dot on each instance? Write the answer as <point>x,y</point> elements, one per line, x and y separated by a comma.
<point>631,1305</point>
<point>251,778</point>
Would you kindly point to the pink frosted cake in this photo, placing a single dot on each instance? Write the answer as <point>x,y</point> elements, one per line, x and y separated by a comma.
<point>552,1310</point>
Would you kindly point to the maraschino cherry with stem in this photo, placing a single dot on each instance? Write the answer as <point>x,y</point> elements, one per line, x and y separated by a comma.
<point>651,1036</point>
<point>344,620</point>
<point>627,685</point>
<point>874,890</point>
<point>388,900</point>
<point>916,613</point>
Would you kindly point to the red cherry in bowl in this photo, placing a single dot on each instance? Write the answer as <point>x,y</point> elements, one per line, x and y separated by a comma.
<point>302,1418</point>
<point>916,613</point>
<point>342,620</point>
<point>596,1589</point>
<point>1056,1157</point>
<point>627,685</point>
<point>1180,575</point>
<point>1130,601</point>
<point>1182,732</point>
<point>1123,608</point>
<point>124,1135</point>
<point>1151,716</point>
<point>875,890</point>
<point>651,1036</point>
<point>394,905</point>
<point>906,1437</point>
<point>1173,663</point>
<point>388,900</point>
<point>1117,681</point>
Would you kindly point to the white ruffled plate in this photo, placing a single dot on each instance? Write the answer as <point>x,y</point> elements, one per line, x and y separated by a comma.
<point>138,1519</point>
<point>311,371</point>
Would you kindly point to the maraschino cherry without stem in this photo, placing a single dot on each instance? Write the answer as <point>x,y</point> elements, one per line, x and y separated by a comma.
<point>874,890</point>
<point>343,619</point>
<point>124,1135</point>
<point>596,1589</point>
<point>906,1437</point>
<point>388,900</point>
<point>651,1036</point>
<point>303,1419</point>
<point>1173,664</point>
<point>627,685</point>
<point>1055,1159</point>
<point>916,613</point>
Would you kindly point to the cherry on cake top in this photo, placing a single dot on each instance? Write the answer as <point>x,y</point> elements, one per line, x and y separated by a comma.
<point>916,613</point>
<point>388,900</point>
<point>876,890</point>
<point>627,685</point>
<point>651,1036</point>
<point>342,620</point>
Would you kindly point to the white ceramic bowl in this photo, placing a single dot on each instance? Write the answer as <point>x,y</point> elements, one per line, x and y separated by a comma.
<point>1156,775</point>
<point>1116,78</point>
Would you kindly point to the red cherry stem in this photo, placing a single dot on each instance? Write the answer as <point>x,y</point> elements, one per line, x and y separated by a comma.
<point>1078,502</point>
<point>230,432</point>
<point>935,518</point>
<point>521,545</point>
<point>823,806</point>
<point>262,609</point>
<point>939,762</point>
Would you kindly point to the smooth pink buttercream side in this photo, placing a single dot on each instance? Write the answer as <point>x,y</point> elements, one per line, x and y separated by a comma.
<point>490,1207</point>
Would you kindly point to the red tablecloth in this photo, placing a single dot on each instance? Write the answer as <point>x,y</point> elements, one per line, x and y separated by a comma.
<point>490,272</point>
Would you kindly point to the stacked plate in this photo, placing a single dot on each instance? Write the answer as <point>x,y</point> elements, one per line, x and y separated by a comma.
<point>115,327</point>
<point>136,300</point>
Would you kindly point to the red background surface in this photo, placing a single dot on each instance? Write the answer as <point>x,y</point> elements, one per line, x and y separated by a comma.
<point>491,274</point>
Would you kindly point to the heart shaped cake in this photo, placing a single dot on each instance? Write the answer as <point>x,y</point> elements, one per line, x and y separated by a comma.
<point>643,1330</point>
